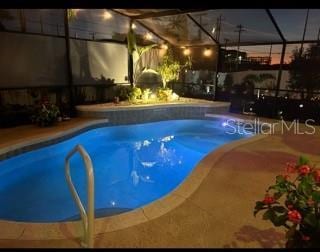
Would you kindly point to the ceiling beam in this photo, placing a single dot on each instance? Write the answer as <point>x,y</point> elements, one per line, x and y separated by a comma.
<point>144,26</point>
<point>276,25</point>
<point>120,13</point>
<point>230,43</point>
<point>204,30</point>
<point>151,30</point>
<point>270,43</point>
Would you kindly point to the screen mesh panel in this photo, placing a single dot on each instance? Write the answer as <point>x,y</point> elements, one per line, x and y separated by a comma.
<point>255,24</point>
<point>179,30</point>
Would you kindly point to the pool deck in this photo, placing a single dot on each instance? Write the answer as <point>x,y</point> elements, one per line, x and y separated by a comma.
<point>26,133</point>
<point>212,208</point>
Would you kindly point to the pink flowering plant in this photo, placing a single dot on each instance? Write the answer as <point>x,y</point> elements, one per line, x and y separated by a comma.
<point>45,114</point>
<point>294,203</point>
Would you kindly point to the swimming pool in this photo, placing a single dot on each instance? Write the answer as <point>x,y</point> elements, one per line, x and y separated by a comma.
<point>133,166</point>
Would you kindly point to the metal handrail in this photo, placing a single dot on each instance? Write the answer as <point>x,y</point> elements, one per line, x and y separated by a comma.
<point>87,218</point>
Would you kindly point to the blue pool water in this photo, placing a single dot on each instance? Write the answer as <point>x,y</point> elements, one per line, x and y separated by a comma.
<point>133,166</point>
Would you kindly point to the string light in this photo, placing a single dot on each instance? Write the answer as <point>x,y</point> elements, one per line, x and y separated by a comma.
<point>107,15</point>
<point>148,36</point>
<point>207,52</point>
<point>186,51</point>
<point>164,46</point>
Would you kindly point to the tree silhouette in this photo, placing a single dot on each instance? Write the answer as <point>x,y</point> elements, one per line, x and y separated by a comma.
<point>253,79</point>
<point>304,70</point>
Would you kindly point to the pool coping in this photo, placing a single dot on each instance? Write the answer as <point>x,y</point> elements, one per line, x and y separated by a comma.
<point>52,138</point>
<point>101,108</point>
<point>155,209</point>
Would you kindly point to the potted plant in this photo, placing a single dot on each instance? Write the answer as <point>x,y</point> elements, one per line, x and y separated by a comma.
<point>293,202</point>
<point>46,114</point>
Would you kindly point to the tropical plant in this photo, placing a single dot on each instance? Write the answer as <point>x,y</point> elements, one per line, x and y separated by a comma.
<point>253,79</point>
<point>145,94</point>
<point>164,94</point>
<point>137,60</point>
<point>304,70</point>
<point>293,202</point>
<point>169,68</point>
<point>136,52</point>
<point>46,114</point>
<point>123,92</point>
<point>135,94</point>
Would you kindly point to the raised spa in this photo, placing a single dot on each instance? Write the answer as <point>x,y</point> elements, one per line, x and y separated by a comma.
<point>133,166</point>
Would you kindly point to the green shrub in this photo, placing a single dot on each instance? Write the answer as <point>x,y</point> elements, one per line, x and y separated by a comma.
<point>46,114</point>
<point>164,94</point>
<point>145,94</point>
<point>135,93</point>
<point>123,92</point>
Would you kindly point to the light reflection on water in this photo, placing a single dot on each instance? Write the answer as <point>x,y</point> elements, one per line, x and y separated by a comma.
<point>133,166</point>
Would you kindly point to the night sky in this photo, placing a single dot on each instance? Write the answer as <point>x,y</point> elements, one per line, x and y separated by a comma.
<point>256,23</point>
